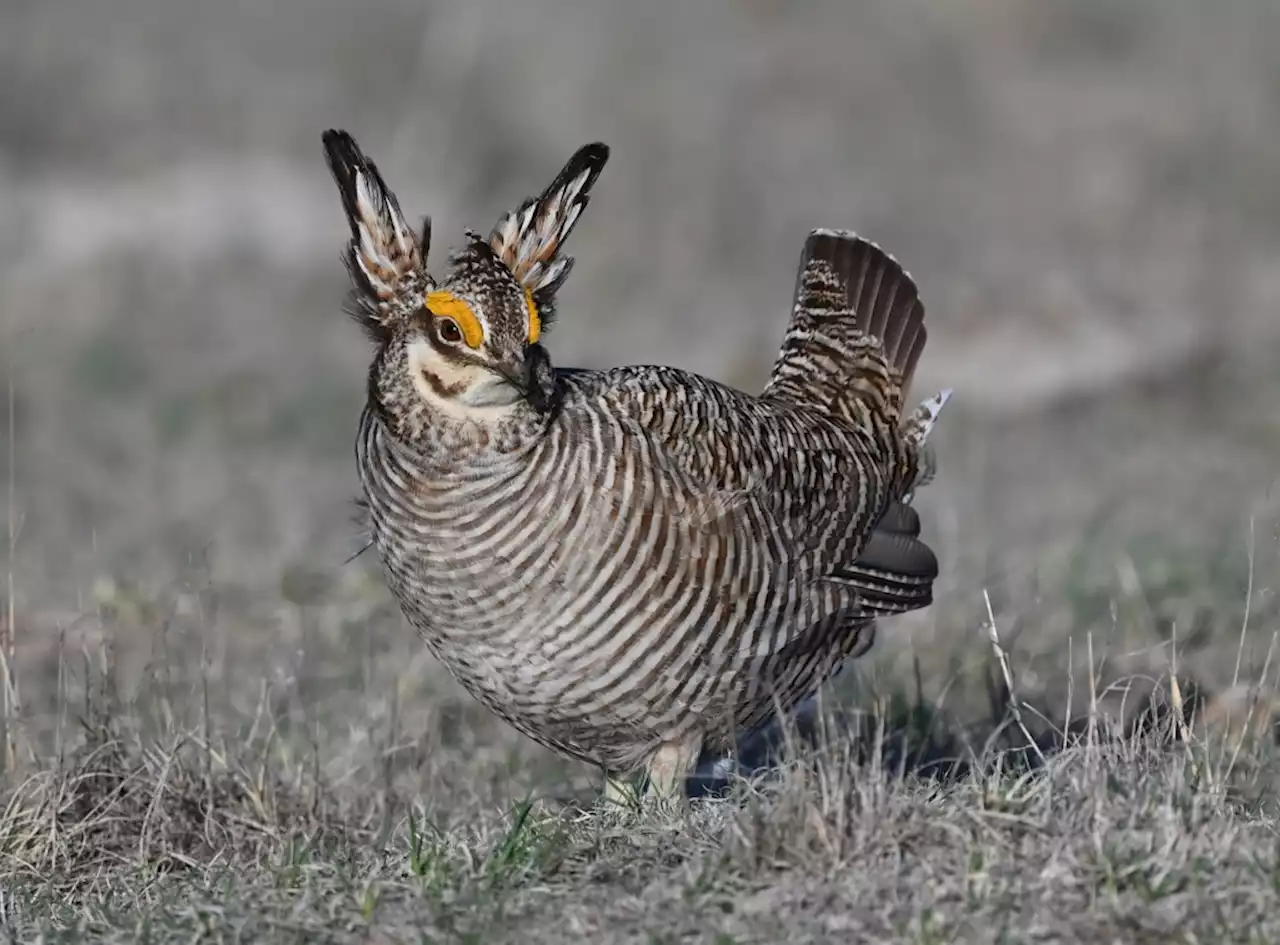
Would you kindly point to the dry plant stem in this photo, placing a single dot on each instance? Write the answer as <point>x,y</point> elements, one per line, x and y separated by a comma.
<point>1248,603</point>
<point>1180,717</point>
<point>7,640</point>
<point>1091,730</point>
<point>1254,700</point>
<point>1003,659</point>
<point>1071,687</point>
<point>619,792</point>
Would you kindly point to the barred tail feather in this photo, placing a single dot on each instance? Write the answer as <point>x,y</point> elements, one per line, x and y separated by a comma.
<point>857,328</point>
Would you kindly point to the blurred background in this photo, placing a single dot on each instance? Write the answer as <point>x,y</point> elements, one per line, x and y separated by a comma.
<point>1087,193</point>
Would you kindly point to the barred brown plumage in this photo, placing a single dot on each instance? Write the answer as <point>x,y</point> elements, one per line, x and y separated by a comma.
<point>635,564</point>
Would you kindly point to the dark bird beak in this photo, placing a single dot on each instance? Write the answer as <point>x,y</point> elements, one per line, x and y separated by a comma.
<point>539,378</point>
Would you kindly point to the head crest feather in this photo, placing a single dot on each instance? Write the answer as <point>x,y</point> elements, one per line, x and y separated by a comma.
<point>384,256</point>
<point>529,239</point>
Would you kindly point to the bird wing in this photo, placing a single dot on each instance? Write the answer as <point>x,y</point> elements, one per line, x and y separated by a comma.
<point>815,490</point>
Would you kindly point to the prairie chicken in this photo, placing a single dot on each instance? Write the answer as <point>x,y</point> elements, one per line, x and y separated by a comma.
<point>632,565</point>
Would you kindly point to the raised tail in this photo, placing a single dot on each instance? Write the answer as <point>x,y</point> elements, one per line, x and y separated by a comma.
<point>856,333</point>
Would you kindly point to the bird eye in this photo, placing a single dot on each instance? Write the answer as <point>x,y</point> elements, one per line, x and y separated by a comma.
<point>449,331</point>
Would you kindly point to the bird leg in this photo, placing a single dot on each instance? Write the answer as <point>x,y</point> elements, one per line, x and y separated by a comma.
<point>670,767</point>
<point>620,792</point>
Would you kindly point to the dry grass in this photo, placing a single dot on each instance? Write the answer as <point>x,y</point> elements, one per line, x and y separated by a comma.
<point>156,810</point>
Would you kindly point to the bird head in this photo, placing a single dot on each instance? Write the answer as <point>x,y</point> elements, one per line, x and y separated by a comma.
<point>467,346</point>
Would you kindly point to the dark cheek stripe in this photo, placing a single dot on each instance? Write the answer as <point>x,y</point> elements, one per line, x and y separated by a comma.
<point>440,387</point>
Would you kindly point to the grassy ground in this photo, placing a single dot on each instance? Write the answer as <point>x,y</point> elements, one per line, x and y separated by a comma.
<point>354,795</point>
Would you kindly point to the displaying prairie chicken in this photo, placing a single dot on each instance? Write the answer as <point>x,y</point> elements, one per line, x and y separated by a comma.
<point>632,565</point>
